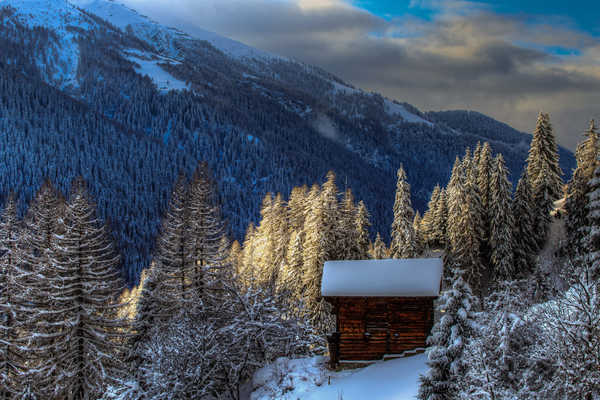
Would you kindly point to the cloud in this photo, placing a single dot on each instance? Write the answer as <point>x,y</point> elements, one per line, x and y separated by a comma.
<point>463,57</point>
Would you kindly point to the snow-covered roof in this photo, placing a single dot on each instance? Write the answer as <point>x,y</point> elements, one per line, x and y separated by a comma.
<point>418,277</point>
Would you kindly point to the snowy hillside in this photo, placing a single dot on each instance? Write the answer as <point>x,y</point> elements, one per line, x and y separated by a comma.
<point>309,379</point>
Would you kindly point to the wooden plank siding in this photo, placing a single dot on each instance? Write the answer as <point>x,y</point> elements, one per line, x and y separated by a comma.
<point>371,327</point>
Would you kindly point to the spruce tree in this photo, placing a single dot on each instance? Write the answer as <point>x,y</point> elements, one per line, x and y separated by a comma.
<point>544,176</point>
<point>578,189</point>
<point>87,347</point>
<point>314,255</point>
<point>362,225</point>
<point>246,275</point>
<point>484,185</point>
<point>447,342</point>
<point>419,240</point>
<point>292,275</point>
<point>176,277</point>
<point>38,272</point>
<point>331,214</point>
<point>440,218</point>
<point>502,222</point>
<point>428,222</point>
<point>348,227</point>
<point>464,234</point>
<point>524,242</point>
<point>380,250</point>
<point>205,228</point>
<point>11,362</point>
<point>593,230</point>
<point>322,243</point>
<point>403,243</point>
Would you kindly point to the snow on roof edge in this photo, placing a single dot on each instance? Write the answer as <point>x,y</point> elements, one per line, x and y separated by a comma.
<point>419,277</point>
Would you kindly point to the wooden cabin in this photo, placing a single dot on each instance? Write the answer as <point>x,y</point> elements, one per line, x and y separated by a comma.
<point>383,308</point>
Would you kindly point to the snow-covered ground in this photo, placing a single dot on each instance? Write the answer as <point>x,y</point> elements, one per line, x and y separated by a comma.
<point>393,108</point>
<point>149,64</point>
<point>309,379</point>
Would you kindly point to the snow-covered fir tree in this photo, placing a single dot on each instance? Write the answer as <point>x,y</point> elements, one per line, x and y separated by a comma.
<point>485,166</point>
<point>440,218</point>
<point>86,348</point>
<point>578,188</point>
<point>205,227</point>
<point>38,268</point>
<point>403,244</point>
<point>11,359</point>
<point>419,238</point>
<point>348,228</point>
<point>428,222</point>
<point>321,244</point>
<point>524,243</point>
<point>176,276</point>
<point>498,353</point>
<point>544,175</point>
<point>448,340</point>
<point>362,225</point>
<point>502,222</point>
<point>571,335</point>
<point>464,224</point>
<point>379,250</point>
<point>592,240</point>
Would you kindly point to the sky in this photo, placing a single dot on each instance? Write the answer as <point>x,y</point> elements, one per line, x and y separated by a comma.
<point>508,59</point>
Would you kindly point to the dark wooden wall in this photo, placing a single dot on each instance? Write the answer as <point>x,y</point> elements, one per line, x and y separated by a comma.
<point>370,327</point>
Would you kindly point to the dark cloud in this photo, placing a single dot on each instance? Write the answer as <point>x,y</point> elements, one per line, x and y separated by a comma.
<point>466,58</point>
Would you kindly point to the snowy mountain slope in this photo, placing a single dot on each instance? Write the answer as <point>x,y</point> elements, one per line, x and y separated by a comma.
<point>123,17</point>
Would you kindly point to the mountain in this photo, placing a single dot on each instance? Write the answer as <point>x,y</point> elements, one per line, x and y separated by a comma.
<point>92,88</point>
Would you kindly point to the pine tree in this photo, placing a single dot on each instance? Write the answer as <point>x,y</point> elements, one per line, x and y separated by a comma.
<point>348,228</point>
<point>524,242</point>
<point>428,222</point>
<point>246,275</point>
<point>485,188</point>
<point>87,346</point>
<point>37,275</point>
<point>314,254</point>
<point>362,225</point>
<point>296,208</point>
<point>331,215</point>
<point>440,218</point>
<point>464,234</point>
<point>292,276</point>
<point>578,189</point>
<point>204,229</point>
<point>419,239</point>
<point>11,362</point>
<point>544,176</point>
<point>502,222</point>
<point>176,276</point>
<point>447,342</point>
<point>593,230</point>
<point>403,236</point>
<point>379,251</point>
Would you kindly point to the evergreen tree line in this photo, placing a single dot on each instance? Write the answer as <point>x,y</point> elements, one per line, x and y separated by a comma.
<point>529,338</point>
<point>192,329</point>
<point>475,220</point>
<point>287,249</point>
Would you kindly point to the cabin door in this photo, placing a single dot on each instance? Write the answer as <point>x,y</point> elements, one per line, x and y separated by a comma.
<point>407,329</point>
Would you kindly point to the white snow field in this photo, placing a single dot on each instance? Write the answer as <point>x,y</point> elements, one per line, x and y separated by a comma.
<point>308,379</point>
